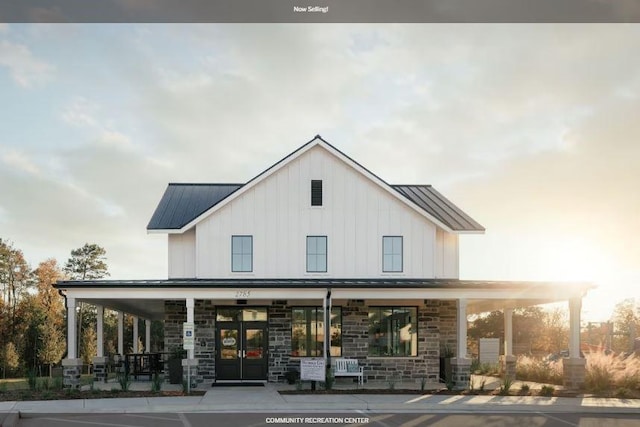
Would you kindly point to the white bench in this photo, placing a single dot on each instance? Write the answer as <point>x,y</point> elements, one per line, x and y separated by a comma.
<point>348,368</point>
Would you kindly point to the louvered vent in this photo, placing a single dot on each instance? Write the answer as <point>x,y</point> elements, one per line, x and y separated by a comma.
<point>316,192</point>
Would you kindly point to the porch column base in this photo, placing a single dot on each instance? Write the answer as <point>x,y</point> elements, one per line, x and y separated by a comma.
<point>508,367</point>
<point>100,368</point>
<point>460,373</point>
<point>190,366</point>
<point>71,370</point>
<point>573,372</point>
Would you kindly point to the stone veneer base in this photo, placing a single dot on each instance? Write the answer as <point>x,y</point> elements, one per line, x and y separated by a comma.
<point>71,370</point>
<point>573,372</point>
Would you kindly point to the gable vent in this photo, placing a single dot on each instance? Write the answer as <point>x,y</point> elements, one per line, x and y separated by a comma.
<point>316,192</point>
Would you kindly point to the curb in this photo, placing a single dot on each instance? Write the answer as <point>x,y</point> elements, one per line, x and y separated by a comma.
<point>11,419</point>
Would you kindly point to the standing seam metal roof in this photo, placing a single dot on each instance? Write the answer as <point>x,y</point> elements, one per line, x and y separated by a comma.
<point>438,206</point>
<point>182,203</point>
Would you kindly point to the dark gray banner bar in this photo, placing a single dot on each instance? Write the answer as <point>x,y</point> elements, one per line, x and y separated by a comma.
<point>343,11</point>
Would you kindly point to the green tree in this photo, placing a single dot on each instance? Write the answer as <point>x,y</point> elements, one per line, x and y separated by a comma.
<point>89,346</point>
<point>626,324</point>
<point>51,331</point>
<point>15,280</point>
<point>86,263</point>
<point>10,358</point>
<point>53,344</point>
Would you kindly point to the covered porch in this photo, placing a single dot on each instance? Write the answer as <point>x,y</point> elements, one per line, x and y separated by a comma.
<point>441,311</point>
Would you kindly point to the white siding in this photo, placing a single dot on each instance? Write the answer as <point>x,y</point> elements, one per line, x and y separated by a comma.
<point>446,248</point>
<point>182,255</point>
<point>356,213</point>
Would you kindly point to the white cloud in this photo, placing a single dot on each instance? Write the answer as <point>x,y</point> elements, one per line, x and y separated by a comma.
<point>27,70</point>
<point>80,113</point>
<point>4,28</point>
<point>19,160</point>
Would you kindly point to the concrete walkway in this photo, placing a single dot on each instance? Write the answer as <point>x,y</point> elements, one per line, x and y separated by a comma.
<point>267,399</point>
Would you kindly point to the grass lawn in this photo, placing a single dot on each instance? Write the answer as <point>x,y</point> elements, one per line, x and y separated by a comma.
<point>10,384</point>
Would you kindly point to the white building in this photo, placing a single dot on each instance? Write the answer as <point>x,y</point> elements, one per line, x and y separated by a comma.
<point>257,266</point>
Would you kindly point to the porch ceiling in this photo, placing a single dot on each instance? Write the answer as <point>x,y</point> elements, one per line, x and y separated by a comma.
<point>152,309</point>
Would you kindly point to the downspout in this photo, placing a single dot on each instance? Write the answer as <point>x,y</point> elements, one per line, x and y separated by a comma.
<point>327,330</point>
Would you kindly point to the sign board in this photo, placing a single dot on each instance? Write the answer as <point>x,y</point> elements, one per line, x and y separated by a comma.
<point>312,368</point>
<point>188,336</point>
<point>489,350</point>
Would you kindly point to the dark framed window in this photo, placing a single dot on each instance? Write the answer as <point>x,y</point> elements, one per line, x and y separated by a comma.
<point>392,254</point>
<point>316,192</point>
<point>307,331</point>
<point>316,254</point>
<point>241,253</point>
<point>393,331</point>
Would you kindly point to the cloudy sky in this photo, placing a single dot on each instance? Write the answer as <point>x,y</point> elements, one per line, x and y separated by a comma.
<point>534,130</point>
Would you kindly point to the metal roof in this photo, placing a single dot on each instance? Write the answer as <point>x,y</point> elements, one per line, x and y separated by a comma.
<point>438,206</point>
<point>321,283</point>
<point>182,203</point>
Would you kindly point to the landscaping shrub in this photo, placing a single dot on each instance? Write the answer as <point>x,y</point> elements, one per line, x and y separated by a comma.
<point>538,370</point>
<point>605,372</point>
<point>547,391</point>
<point>32,379</point>
<point>505,386</point>
<point>525,389</point>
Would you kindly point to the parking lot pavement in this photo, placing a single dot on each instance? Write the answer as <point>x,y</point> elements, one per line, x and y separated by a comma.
<point>352,418</point>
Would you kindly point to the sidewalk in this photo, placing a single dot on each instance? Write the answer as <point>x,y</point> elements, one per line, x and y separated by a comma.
<point>267,399</point>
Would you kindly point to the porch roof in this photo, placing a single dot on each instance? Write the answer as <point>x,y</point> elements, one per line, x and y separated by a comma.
<point>329,283</point>
<point>146,297</point>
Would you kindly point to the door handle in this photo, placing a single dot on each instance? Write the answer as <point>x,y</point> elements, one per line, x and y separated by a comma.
<point>244,354</point>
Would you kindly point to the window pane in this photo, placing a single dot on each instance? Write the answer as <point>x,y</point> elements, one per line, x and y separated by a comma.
<point>397,245</point>
<point>397,263</point>
<point>387,264</point>
<point>241,253</point>
<point>307,332</point>
<point>321,247</point>
<point>393,331</point>
<point>387,247</point>
<point>311,245</point>
<point>311,263</point>
<point>236,263</point>
<point>321,263</point>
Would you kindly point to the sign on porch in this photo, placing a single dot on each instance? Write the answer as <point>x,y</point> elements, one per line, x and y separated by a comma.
<point>312,368</point>
<point>188,336</point>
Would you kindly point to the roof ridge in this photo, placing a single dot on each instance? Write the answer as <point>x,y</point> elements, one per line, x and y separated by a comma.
<point>205,183</point>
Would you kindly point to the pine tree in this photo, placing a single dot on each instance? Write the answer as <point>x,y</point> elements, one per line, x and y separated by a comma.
<point>86,263</point>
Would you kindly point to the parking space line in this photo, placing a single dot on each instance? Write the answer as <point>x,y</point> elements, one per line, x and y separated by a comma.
<point>183,418</point>
<point>64,420</point>
<point>557,419</point>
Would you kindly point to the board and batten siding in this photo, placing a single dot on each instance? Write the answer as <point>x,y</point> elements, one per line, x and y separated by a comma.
<point>182,255</point>
<point>277,212</point>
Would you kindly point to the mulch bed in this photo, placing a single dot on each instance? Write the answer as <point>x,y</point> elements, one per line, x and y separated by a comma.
<point>21,395</point>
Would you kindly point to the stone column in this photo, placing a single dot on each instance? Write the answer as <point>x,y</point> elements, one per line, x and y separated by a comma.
<point>100,362</point>
<point>461,364</point>
<point>72,365</point>
<point>147,335</point>
<point>508,360</point>
<point>135,334</point>
<point>574,367</point>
